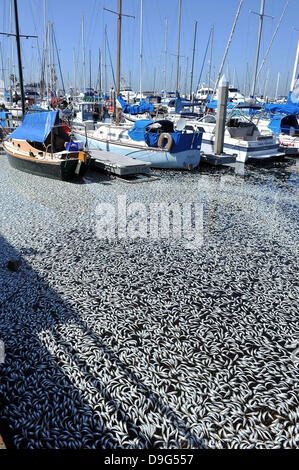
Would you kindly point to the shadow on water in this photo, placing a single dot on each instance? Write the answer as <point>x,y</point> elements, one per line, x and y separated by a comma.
<point>33,383</point>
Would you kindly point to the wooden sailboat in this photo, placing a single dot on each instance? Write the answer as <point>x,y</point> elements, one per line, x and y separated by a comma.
<point>40,145</point>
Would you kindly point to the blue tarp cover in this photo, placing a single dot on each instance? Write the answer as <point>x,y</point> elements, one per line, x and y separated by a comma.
<point>289,108</point>
<point>213,105</point>
<point>282,124</point>
<point>181,140</point>
<point>274,124</point>
<point>35,127</point>
<point>143,107</point>
<point>180,103</point>
<point>139,130</point>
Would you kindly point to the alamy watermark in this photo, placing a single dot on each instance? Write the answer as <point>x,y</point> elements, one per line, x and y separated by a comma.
<point>169,221</point>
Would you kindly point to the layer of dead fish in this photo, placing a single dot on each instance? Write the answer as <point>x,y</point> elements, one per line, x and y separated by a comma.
<point>144,343</point>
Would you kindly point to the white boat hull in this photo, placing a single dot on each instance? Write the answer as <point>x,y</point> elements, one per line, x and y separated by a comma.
<point>159,158</point>
<point>242,149</point>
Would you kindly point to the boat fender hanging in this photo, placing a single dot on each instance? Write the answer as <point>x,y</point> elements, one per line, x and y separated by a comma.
<point>163,136</point>
<point>82,157</point>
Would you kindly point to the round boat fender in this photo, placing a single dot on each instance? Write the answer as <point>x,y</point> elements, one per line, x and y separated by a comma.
<point>167,136</point>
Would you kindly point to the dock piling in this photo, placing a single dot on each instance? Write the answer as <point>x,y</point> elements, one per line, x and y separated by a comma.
<point>221,115</point>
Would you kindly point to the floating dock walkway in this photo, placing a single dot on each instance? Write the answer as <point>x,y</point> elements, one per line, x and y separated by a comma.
<point>117,164</point>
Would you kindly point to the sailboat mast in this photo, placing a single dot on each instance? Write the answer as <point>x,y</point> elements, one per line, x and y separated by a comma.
<point>193,55</point>
<point>53,60</point>
<point>19,56</point>
<point>105,57</point>
<point>12,65</point>
<point>49,53</point>
<point>178,48</point>
<point>295,68</point>
<point>100,72</point>
<point>45,49</point>
<point>74,58</point>
<point>186,76</point>
<point>259,34</point>
<point>165,58</point>
<point>118,56</point>
<point>210,64</point>
<point>141,37</point>
<point>89,68</point>
<point>277,84</point>
<point>83,52</point>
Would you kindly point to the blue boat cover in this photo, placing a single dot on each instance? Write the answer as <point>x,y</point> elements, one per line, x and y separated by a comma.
<point>289,108</point>
<point>283,124</point>
<point>180,104</point>
<point>3,118</point>
<point>214,103</point>
<point>139,130</point>
<point>143,107</point>
<point>35,127</point>
<point>181,140</point>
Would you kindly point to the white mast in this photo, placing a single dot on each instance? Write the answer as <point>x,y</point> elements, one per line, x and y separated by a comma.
<point>83,52</point>
<point>266,83</point>
<point>141,33</point>
<point>277,84</point>
<point>12,41</point>
<point>259,34</point>
<point>49,53</point>
<point>193,55</point>
<point>45,50</point>
<point>186,76</point>
<point>295,68</point>
<point>165,58</point>
<point>210,64</point>
<point>74,56</point>
<point>11,68</point>
<point>105,57</point>
<point>178,49</point>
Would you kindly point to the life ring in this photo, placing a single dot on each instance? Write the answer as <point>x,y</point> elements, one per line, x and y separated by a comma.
<point>163,136</point>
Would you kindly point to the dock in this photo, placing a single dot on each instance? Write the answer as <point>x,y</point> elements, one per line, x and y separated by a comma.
<point>117,164</point>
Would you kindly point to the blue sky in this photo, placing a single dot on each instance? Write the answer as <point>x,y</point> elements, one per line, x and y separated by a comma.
<point>66,17</point>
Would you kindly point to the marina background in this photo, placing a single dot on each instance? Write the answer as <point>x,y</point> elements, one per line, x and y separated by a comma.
<point>66,17</point>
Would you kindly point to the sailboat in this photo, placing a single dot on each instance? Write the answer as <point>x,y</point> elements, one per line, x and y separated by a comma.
<point>281,119</point>
<point>157,142</point>
<point>41,145</point>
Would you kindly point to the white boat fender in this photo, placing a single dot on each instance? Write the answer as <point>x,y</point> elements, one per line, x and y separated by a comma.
<point>78,167</point>
<point>163,136</point>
